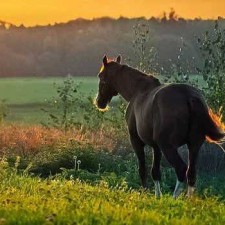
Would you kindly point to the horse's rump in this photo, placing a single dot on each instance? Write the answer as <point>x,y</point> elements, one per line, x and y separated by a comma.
<point>171,114</point>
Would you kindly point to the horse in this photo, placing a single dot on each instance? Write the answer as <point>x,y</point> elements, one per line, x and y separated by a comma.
<point>163,116</point>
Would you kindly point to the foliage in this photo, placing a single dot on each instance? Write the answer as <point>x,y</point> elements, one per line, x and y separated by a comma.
<point>144,52</point>
<point>63,52</point>
<point>64,103</point>
<point>71,109</point>
<point>49,161</point>
<point>182,67</point>
<point>51,153</point>
<point>212,47</point>
<point>171,17</point>
<point>116,117</point>
<point>27,141</point>
<point>91,118</point>
<point>146,55</point>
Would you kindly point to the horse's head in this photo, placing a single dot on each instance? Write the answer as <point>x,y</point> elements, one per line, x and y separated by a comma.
<point>106,88</point>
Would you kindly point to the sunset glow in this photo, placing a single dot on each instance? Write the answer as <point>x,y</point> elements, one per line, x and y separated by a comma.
<point>32,12</point>
<point>217,118</point>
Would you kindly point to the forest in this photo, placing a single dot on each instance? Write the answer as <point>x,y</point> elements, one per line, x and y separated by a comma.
<point>76,47</point>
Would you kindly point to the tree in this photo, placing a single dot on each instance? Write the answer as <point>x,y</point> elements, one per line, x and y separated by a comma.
<point>212,47</point>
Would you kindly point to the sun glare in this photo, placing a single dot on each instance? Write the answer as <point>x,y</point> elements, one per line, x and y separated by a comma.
<point>217,119</point>
<point>102,68</point>
<point>101,110</point>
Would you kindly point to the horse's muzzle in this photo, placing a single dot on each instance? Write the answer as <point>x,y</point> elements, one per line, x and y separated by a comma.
<point>101,104</point>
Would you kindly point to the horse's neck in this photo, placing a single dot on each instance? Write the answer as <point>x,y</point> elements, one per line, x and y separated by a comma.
<point>132,81</point>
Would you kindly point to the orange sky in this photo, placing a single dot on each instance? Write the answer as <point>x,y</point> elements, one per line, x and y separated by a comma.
<point>32,12</point>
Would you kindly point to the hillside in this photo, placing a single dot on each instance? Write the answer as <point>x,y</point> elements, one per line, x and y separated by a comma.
<point>77,47</point>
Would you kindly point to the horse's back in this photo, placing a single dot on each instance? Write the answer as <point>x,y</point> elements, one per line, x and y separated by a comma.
<point>164,114</point>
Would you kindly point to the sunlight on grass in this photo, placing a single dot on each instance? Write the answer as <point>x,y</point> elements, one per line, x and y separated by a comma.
<point>59,201</point>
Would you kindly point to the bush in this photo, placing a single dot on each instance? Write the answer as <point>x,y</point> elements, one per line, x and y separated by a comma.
<point>212,47</point>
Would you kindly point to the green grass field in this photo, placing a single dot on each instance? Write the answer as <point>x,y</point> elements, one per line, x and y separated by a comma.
<point>26,200</point>
<point>26,96</point>
<point>21,91</point>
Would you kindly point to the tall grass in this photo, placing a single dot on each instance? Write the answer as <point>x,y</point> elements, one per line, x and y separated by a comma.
<point>27,140</point>
<point>26,200</point>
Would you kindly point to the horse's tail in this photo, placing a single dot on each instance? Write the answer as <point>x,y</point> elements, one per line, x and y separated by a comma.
<point>211,124</point>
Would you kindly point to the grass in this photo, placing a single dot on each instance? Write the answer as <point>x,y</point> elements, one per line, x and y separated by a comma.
<point>22,91</point>
<point>26,96</point>
<point>26,200</point>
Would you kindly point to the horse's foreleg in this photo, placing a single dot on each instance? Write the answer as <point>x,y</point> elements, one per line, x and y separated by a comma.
<point>138,147</point>
<point>156,175</point>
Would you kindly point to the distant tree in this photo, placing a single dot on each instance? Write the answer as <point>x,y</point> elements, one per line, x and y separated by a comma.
<point>172,15</point>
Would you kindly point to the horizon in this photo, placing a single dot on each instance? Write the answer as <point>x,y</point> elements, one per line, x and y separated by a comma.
<point>8,24</point>
<point>33,13</point>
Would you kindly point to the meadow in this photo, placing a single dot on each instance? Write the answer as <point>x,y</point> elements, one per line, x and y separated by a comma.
<point>27,200</point>
<point>26,96</point>
<point>87,174</point>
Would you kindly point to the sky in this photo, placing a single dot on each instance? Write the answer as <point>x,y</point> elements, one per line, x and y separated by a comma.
<point>42,12</point>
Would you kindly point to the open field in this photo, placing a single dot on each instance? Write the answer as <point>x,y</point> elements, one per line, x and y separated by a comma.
<point>26,96</point>
<point>21,91</point>
<point>59,201</point>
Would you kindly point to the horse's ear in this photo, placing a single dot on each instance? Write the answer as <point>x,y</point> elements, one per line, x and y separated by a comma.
<point>118,59</point>
<point>105,60</point>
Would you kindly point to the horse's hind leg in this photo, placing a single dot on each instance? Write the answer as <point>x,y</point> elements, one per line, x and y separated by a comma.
<point>138,147</point>
<point>156,174</point>
<point>173,157</point>
<point>194,148</point>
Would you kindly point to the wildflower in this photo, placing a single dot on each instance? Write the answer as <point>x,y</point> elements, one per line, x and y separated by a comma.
<point>75,162</point>
<point>78,165</point>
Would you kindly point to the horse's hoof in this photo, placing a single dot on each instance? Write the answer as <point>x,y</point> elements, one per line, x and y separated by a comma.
<point>144,189</point>
<point>158,195</point>
<point>158,192</point>
<point>190,191</point>
<point>178,189</point>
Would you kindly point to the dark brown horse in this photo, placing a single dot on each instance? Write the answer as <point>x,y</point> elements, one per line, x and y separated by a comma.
<point>162,116</point>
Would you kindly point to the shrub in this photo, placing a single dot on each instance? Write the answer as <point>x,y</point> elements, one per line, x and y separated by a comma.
<point>145,54</point>
<point>212,47</point>
<point>64,115</point>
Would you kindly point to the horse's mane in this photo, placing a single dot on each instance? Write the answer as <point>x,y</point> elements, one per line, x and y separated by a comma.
<point>139,74</point>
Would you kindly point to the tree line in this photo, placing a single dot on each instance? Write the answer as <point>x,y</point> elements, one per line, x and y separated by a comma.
<point>76,47</point>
